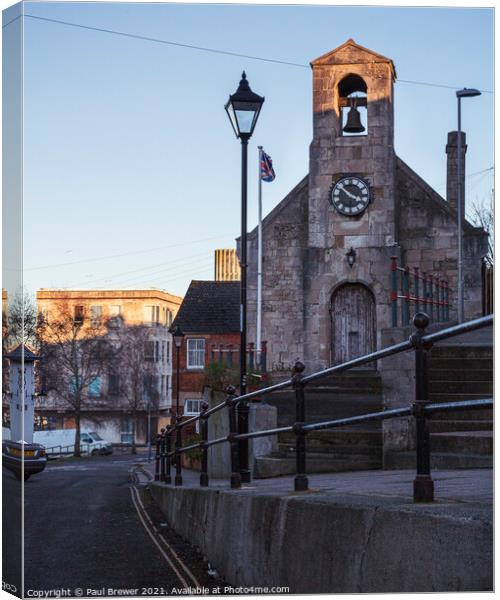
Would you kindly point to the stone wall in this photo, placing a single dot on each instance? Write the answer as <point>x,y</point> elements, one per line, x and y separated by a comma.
<point>284,243</point>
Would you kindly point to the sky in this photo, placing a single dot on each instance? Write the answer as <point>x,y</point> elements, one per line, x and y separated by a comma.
<point>131,169</point>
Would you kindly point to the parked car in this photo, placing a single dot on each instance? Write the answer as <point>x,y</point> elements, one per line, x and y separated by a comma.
<point>14,454</point>
<point>62,442</point>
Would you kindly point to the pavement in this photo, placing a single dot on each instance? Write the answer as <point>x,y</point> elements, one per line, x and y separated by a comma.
<point>467,489</point>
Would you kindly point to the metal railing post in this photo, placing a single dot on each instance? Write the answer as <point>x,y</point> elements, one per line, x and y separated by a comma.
<point>168,449</point>
<point>301,482</point>
<point>178,446</point>
<point>406,294</point>
<point>235,466</point>
<point>157,457</point>
<point>243,410</point>
<point>417,289</point>
<point>394,290</point>
<point>431,299</point>
<point>162,454</point>
<point>423,486</point>
<point>204,447</point>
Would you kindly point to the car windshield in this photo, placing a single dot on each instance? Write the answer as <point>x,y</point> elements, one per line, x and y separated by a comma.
<point>95,436</point>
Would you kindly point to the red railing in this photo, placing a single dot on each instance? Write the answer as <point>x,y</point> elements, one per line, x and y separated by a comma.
<point>424,290</point>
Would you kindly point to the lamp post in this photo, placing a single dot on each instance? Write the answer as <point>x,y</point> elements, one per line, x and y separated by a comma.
<point>178,337</point>
<point>465,93</point>
<point>243,109</point>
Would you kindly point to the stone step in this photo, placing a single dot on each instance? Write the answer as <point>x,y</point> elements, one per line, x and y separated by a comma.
<point>443,461</point>
<point>469,364</point>
<point>324,407</point>
<point>275,466</point>
<point>479,414</point>
<point>337,437</point>
<point>442,426</point>
<point>463,442</point>
<point>461,352</point>
<point>461,387</point>
<point>456,397</point>
<point>466,375</point>
<point>317,449</point>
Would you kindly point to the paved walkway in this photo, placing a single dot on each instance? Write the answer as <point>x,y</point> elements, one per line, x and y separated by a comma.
<point>460,486</point>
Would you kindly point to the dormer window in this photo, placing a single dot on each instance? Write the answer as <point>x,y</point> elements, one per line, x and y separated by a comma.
<point>353,106</point>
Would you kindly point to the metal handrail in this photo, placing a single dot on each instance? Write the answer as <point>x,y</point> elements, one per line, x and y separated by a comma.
<point>420,409</point>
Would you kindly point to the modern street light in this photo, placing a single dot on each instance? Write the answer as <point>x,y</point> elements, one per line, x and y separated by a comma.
<point>243,109</point>
<point>465,93</point>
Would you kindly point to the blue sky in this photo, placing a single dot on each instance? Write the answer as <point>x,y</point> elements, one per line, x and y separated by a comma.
<point>132,172</point>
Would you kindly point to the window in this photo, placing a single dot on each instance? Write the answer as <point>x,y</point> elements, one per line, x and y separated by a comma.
<point>95,388</point>
<point>196,353</point>
<point>163,351</point>
<point>168,352</point>
<point>79,314</point>
<point>115,315</point>
<point>192,407</point>
<point>115,310</point>
<point>95,315</point>
<point>113,384</point>
<point>149,351</point>
<point>150,387</point>
<point>151,315</point>
<point>127,432</point>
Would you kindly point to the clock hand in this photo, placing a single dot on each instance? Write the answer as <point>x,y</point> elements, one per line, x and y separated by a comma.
<point>341,187</point>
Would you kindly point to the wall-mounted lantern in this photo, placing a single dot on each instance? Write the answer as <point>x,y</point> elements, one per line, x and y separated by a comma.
<point>351,257</point>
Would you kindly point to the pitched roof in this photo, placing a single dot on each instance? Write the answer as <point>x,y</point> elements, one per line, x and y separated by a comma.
<point>352,53</point>
<point>210,307</point>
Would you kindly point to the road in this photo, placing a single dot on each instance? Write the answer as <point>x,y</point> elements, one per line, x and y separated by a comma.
<point>90,529</point>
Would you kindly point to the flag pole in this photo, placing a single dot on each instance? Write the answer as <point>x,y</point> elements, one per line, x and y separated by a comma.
<point>259,263</point>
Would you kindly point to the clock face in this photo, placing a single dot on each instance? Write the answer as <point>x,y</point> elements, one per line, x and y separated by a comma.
<point>350,195</point>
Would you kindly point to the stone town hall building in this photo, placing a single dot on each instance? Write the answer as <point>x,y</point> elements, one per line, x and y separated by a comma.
<point>358,194</point>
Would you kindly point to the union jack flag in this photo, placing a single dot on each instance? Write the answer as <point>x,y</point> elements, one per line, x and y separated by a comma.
<point>266,167</point>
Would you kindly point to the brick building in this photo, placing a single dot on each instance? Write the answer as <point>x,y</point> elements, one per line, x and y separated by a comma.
<point>209,320</point>
<point>328,244</point>
<point>150,313</point>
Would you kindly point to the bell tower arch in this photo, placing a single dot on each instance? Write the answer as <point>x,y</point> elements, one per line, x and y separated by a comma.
<point>351,224</point>
<point>352,81</point>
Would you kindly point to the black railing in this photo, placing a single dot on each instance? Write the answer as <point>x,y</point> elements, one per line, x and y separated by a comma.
<point>421,409</point>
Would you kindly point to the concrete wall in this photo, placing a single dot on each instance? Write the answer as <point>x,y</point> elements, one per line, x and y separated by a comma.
<point>314,544</point>
<point>260,417</point>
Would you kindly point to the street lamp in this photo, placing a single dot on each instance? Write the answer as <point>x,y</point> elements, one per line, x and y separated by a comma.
<point>178,338</point>
<point>465,93</point>
<point>243,109</point>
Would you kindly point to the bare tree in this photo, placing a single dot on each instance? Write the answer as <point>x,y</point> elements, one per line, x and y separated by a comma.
<point>135,370</point>
<point>74,353</point>
<point>19,321</point>
<point>482,215</point>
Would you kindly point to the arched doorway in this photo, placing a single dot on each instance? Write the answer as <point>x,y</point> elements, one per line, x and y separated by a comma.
<point>353,323</point>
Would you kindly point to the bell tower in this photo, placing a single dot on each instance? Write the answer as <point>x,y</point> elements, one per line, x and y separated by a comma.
<point>353,128</point>
<point>351,205</point>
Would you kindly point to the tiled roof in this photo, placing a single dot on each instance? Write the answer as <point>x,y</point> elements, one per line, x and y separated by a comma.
<point>210,307</point>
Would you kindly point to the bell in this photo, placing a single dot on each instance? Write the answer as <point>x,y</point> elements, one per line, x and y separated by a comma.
<point>353,124</point>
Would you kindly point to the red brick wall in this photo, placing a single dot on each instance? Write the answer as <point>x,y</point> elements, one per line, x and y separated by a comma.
<point>191,380</point>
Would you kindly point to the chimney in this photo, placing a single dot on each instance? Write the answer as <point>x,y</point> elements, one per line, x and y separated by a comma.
<point>451,168</point>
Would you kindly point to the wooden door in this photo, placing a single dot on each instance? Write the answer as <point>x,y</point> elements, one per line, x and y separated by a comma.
<point>353,323</point>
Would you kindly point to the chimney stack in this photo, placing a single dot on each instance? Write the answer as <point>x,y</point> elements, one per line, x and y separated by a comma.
<point>451,168</point>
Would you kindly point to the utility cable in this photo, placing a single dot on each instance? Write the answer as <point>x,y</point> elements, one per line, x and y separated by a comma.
<point>218,51</point>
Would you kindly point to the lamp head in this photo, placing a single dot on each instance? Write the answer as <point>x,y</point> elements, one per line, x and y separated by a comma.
<point>468,93</point>
<point>243,108</point>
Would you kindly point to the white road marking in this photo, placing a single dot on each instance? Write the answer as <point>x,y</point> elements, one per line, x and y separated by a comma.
<point>151,529</point>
